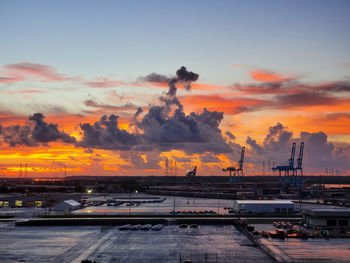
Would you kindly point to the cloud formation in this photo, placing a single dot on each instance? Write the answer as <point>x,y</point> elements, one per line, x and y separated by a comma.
<point>268,76</point>
<point>104,83</point>
<point>319,154</point>
<point>105,134</point>
<point>35,132</point>
<point>125,107</point>
<point>155,78</point>
<point>47,132</point>
<point>24,71</point>
<point>151,160</point>
<point>230,135</point>
<point>167,127</point>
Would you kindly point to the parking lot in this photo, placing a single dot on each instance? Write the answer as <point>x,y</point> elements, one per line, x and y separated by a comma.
<point>109,244</point>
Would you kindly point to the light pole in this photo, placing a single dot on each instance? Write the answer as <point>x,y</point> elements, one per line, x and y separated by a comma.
<point>218,205</point>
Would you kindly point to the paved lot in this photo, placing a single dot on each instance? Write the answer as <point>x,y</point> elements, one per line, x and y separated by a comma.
<point>73,244</point>
<point>313,250</point>
<point>310,250</point>
<point>181,204</point>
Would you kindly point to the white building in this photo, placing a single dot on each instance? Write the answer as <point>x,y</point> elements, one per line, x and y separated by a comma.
<point>263,206</point>
<point>330,217</point>
<point>66,206</point>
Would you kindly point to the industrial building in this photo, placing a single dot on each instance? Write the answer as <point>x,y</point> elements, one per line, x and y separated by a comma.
<point>66,206</point>
<point>263,206</point>
<point>329,217</point>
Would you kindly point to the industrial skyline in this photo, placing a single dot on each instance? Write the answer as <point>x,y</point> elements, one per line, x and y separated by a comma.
<point>117,88</point>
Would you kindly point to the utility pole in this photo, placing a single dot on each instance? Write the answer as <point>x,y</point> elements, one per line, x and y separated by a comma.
<point>218,205</point>
<point>20,171</point>
<point>263,166</point>
<point>26,171</point>
<point>166,166</point>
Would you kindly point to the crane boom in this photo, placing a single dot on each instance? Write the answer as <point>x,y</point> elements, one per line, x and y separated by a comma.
<point>301,153</point>
<point>241,161</point>
<point>292,155</point>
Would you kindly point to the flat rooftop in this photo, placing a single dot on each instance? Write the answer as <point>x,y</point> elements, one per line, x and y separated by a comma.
<point>109,244</point>
<point>327,211</point>
<point>244,202</point>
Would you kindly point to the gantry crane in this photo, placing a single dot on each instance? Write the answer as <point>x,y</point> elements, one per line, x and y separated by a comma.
<point>286,168</point>
<point>191,173</point>
<point>296,172</point>
<point>237,172</point>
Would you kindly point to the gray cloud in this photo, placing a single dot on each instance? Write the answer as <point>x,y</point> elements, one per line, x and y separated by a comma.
<point>209,158</point>
<point>230,135</point>
<point>278,138</point>
<point>294,94</point>
<point>319,154</point>
<point>125,107</point>
<point>335,116</point>
<point>339,86</point>
<point>256,147</point>
<point>18,135</point>
<point>183,76</point>
<point>192,133</point>
<point>44,132</point>
<point>167,127</point>
<point>105,134</point>
<point>305,99</point>
<point>156,78</point>
<point>34,132</point>
<point>134,158</point>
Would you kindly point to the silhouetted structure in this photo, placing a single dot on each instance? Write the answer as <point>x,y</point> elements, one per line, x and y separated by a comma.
<point>296,176</point>
<point>191,173</point>
<point>236,173</point>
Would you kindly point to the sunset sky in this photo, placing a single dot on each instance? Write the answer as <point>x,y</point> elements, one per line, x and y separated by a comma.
<point>118,87</point>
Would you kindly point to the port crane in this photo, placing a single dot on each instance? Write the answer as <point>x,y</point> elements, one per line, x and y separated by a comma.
<point>292,175</point>
<point>191,173</point>
<point>286,168</point>
<point>237,172</point>
<point>298,171</point>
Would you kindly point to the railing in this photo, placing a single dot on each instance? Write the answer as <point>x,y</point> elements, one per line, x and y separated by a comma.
<point>221,258</point>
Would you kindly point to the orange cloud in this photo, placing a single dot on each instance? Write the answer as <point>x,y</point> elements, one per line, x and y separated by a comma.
<point>217,103</point>
<point>30,91</point>
<point>267,76</point>
<point>25,70</point>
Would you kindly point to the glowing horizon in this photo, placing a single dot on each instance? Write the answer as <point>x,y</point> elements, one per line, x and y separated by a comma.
<point>250,80</point>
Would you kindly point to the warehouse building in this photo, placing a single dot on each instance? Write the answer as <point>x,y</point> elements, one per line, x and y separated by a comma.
<point>263,206</point>
<point>329,217</point>
<point>67,206</point>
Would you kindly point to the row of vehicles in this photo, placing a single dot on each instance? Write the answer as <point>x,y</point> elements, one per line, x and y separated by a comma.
<point>206,212</point>
<point>146,227</point>
<point>288,230</point>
